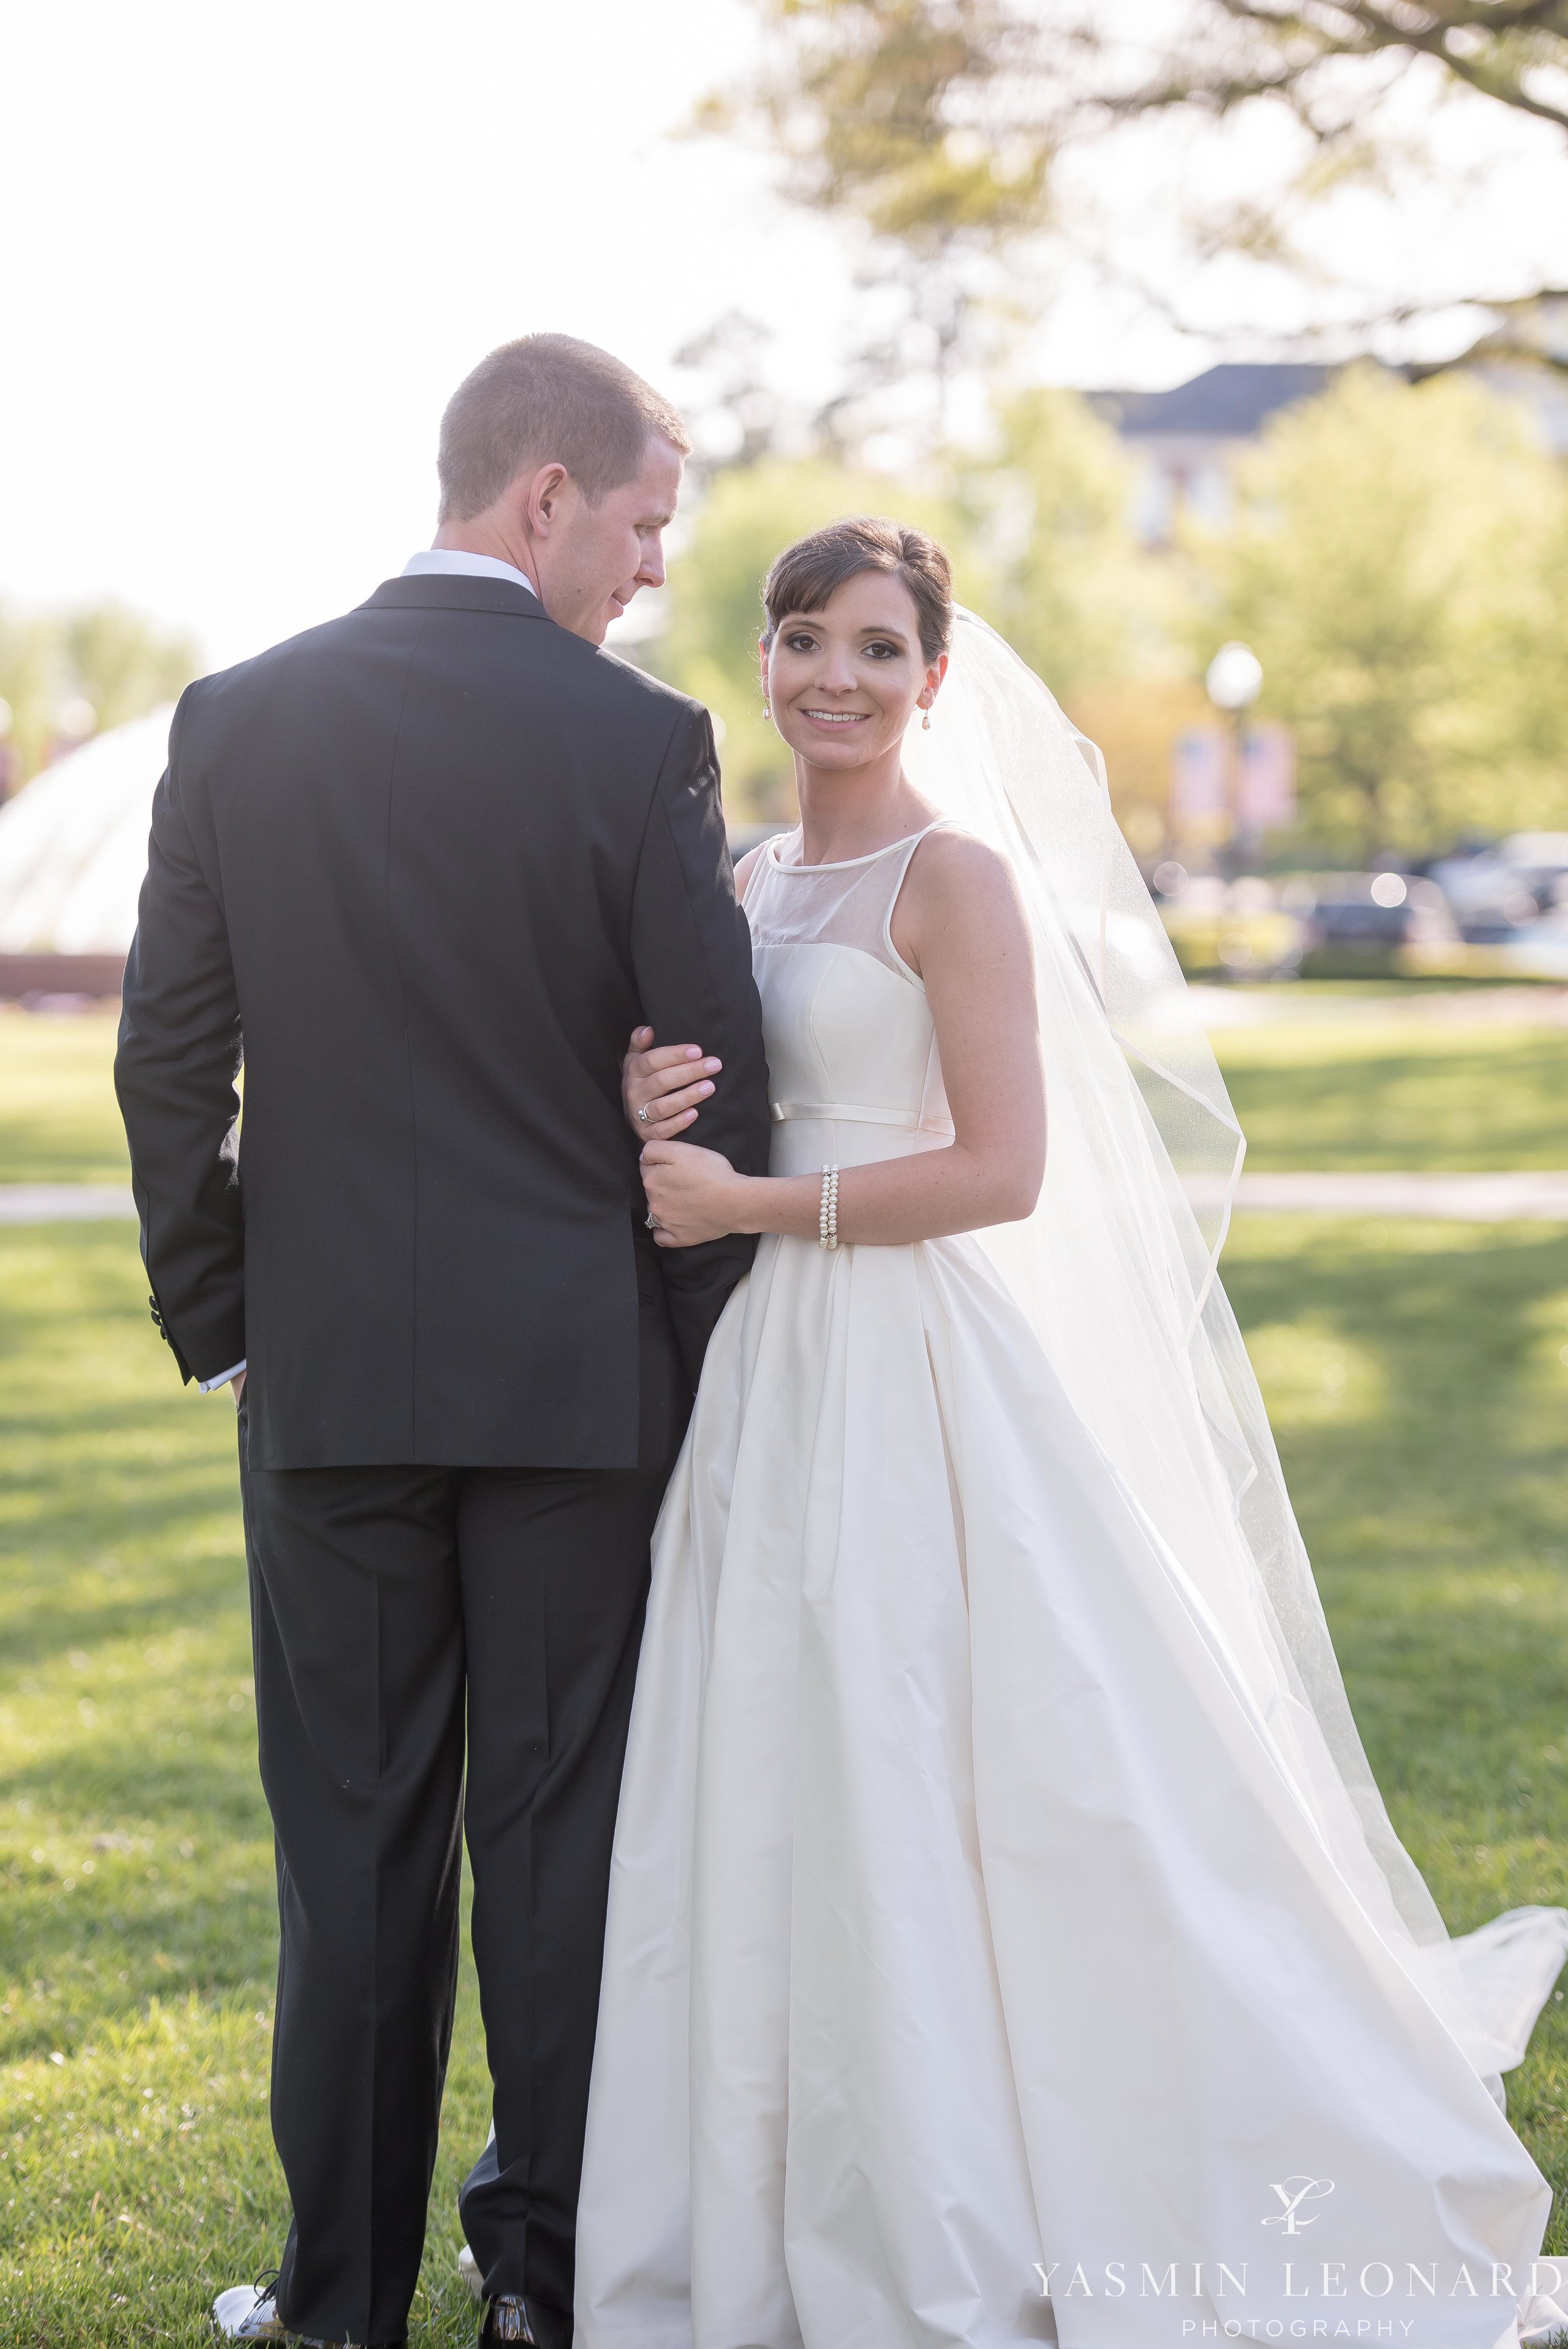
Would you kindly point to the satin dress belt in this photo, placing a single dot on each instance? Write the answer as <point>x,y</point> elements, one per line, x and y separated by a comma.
<point>856,1113</point>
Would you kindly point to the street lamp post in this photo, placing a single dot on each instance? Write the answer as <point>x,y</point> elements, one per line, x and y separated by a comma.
<point>1234,681</point>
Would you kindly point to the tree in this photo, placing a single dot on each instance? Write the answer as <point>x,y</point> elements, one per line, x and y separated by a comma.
<point>1236,51</point>
<point>939,125</point>
<point>68,675</point>
<point>1058,571</point>
<point>28,667</point>
<point>895,114</point>
<point>123,663</point>
<point>1399,565</point>
<point>736,419</point>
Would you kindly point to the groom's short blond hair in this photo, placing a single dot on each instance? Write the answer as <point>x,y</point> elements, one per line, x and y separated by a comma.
<point>548,399</point>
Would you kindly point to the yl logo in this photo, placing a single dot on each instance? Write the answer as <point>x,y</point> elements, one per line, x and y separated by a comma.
<point>1293,2192</point>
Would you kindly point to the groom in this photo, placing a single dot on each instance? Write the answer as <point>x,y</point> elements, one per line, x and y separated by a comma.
<point>425,868</point>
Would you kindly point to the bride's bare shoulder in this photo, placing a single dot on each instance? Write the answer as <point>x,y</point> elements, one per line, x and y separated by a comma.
<point>956,871</point>
<point>746,867</point>
<point>959,908</point>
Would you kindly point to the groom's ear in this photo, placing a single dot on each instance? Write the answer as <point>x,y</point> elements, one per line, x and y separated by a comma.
<point>540,497</point>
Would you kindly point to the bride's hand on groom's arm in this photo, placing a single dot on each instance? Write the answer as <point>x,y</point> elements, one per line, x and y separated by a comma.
<point>693,1194</point>
<point>670,1083</point>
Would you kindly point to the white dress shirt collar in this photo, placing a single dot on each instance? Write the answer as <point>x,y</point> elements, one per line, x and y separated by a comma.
<point>455,562</point>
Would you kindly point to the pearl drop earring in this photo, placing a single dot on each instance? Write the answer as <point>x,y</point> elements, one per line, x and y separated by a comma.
<point>925,723</point>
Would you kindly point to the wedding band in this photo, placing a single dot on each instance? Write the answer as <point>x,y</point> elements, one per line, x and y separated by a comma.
<point>651,1220</point>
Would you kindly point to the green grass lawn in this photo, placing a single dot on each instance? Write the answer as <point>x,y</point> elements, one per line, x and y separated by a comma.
<point>1416,1380</point>
<point>58,1120</point>
<point>1353,1094</point>
<point>1370,1092</point>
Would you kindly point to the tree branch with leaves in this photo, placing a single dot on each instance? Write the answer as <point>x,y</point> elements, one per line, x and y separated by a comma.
<point>938,127</point>
<point>899,116</point>
<point>1513,51</point>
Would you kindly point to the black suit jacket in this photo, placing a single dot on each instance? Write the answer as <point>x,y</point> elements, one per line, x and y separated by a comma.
<point>425,867</point>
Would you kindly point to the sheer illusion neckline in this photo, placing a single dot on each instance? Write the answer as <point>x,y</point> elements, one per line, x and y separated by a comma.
<point>847,863</point>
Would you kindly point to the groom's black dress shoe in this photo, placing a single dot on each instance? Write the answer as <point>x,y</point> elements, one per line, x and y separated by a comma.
<point>510,2318</point>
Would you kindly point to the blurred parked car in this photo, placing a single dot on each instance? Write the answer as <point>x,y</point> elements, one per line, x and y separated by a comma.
<point>1361,924</point>
<point>1494,892</point>
<point>1530,951</point>
<point>1538,951</point>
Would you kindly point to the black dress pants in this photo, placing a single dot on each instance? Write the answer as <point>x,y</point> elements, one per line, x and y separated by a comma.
<point>387,1603</point>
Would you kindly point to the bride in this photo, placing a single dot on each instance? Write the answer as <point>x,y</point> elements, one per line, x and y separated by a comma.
<point>1006,1938</point>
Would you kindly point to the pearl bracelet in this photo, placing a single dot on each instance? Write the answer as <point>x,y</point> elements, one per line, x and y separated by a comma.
<point>827,1217</point>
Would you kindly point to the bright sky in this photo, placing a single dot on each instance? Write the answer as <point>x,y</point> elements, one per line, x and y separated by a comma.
<point>252,250</point>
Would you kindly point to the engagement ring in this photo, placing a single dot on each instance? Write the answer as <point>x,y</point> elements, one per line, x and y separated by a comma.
<point>643,1112</point>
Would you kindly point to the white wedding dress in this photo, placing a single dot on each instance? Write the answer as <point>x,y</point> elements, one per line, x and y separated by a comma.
<point>966,1929</point>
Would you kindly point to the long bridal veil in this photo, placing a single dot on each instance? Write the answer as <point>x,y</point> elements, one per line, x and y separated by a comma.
<point>1117,1272</point>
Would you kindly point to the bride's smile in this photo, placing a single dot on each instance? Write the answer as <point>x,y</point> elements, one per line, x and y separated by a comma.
<point>843,683</point>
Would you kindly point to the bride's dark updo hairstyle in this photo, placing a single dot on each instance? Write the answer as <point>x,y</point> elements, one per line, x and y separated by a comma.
<point>807,575</point>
